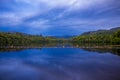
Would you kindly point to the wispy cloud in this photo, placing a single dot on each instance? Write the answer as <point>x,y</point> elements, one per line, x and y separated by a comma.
<point>45,15</point>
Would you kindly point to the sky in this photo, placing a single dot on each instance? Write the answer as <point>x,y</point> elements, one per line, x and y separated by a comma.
<point>58,17</point>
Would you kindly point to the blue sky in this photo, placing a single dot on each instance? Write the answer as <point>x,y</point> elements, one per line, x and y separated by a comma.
<point>58,17</point>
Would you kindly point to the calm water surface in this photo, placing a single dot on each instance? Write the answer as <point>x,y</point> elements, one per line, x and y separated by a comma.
<point>59,64</point>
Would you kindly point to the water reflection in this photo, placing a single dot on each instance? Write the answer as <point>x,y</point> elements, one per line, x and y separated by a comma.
<point>115,51</point>
<point>10,49</point>
<point>99,49</point>
<point>60,64</point>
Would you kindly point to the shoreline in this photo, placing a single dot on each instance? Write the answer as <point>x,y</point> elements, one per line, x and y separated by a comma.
<point>37,47</point>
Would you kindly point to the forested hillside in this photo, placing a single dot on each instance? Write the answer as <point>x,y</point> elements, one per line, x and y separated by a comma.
<point>22,39</point>
<point>101,32</point>
<point>111,36</point>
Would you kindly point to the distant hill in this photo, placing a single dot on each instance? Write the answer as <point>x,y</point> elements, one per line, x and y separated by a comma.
<point>21,34</point>
<point>100,32</point>
<point>65,36</point>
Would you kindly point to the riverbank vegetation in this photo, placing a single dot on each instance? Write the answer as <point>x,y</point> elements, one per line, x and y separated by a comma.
<point>100,37</point>
<point>21,39</point>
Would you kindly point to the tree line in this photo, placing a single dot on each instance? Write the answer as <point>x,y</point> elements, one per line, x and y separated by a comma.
<point>21,39</point>
<point>113,39</point>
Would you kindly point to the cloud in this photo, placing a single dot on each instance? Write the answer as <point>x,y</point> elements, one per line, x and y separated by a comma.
<point>10,19</point>
<point>45,15</point>
<point>38,24</point>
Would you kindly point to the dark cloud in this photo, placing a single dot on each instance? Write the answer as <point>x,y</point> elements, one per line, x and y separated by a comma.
<point>59,17</point>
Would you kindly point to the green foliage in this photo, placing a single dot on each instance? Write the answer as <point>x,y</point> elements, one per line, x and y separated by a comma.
<point>20,39</point>
<point>117,34</point>
<point>98,38</point>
